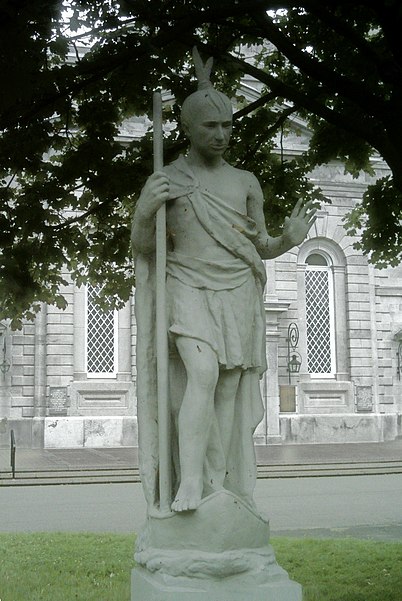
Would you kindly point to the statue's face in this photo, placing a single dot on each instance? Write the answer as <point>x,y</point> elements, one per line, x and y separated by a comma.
<point>209,131</point>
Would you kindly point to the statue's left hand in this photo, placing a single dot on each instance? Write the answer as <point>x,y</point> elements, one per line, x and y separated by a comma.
<point>301,219</point>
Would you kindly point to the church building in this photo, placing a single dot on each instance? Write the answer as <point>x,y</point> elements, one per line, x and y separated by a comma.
<point>333,339</point>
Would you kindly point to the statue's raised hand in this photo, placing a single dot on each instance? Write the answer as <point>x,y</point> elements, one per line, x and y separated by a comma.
<point>154,194</point>
<point>301,219</point>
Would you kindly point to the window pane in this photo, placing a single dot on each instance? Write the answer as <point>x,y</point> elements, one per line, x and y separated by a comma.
<point>100,335</point>
<point>318,320</point>
<point>316,259</point>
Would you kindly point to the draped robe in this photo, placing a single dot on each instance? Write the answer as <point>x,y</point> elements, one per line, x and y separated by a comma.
<point>217,285</point>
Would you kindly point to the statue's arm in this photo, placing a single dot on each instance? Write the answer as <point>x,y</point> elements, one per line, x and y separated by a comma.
<point>153,195</point>
<point>295,228</point>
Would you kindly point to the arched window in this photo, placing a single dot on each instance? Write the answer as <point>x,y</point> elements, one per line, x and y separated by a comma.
<point>101,337</point>
<point>320,321</point>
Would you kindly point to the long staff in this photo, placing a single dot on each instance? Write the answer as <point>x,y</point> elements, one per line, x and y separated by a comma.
<point>165,477</point>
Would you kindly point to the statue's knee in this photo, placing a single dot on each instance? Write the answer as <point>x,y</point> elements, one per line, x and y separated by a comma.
<point>205,375</point>
<point>200,362</point>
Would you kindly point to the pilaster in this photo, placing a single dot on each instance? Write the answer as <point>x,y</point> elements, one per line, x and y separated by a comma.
<point>273,310</point>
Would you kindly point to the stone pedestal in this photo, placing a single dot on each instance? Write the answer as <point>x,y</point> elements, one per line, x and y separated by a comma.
<point>220,552</point>
<point>149,587</point>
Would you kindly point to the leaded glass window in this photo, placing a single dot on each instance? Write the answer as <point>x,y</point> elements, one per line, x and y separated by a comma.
<point>101,337</point>
<point>319,317</point>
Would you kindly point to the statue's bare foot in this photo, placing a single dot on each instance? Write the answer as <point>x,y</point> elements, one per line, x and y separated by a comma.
<point>188,496</point>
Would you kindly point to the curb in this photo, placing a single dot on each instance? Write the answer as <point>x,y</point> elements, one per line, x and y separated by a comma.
<point>115,475</point>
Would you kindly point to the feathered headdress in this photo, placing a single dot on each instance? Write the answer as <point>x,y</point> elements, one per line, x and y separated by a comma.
<point>202,71</point>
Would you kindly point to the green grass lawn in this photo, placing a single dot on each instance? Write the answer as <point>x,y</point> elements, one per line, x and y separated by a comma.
<point>93,567</point>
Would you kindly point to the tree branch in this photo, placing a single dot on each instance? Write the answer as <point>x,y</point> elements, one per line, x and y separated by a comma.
<point>279,123</point>
<point>388,70</point>
<point>354,91</point>
<point>254,105</point>
<point>389,16</point>
<point>81,217</point>
<point>364,128</point>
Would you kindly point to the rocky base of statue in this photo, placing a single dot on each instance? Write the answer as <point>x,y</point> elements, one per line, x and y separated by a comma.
<point>220,552</point>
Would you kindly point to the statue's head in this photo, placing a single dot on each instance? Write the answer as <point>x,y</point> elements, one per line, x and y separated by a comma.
<point>206,95</point>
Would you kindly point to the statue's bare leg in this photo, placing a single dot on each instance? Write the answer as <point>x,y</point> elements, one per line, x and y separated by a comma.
<point>225,397</point>
<point>195,418</point>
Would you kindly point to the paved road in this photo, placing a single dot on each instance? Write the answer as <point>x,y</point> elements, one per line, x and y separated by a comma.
<point>361,506</point>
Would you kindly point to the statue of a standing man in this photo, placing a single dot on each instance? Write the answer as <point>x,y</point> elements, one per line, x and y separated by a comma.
<point>217,239</point>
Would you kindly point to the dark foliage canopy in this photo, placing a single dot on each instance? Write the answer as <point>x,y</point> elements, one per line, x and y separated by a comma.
<point>68,186</point>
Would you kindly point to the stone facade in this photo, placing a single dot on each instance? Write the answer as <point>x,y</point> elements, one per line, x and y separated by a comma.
<point>49,398</point>
<point>360,400</point>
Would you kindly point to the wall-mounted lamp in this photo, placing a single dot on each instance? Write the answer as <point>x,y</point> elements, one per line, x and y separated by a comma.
<point>294,359</point>
<point>294,364</point>
<point>4,364</point>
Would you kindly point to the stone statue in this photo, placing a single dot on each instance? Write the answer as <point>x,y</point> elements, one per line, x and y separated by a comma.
<point>215,280</point>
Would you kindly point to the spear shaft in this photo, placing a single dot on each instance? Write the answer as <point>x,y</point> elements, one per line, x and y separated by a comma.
<point>165,485</point>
